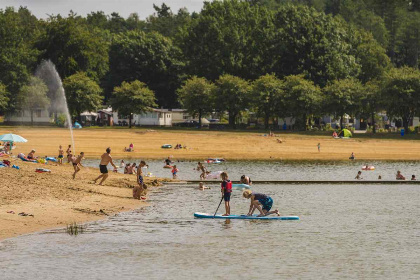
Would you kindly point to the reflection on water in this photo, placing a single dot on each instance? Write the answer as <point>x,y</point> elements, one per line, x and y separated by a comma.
<point>260,170</point>
<point>345,231</point>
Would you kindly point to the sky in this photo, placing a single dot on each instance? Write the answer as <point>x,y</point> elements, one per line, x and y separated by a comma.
<point>144,8</point>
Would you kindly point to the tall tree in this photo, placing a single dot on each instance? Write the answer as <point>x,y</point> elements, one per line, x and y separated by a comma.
<point>148,57</point>
<point>228,37</point>
<point>82,93</point>
<point>18,31</point>
<point>4,99</point>
<point>33,96</point>
<point>232,94</point>
<point>74,47</point>
<point>401,93</point>
<point>408,41</point>
<point>372,101</point>
<point>133,98</point>
<point>195,96</point>
<point>344,97</point>
<point>268,96</point>
<point>166,22</point>
<point>302,99</point>
<point>310,43</point>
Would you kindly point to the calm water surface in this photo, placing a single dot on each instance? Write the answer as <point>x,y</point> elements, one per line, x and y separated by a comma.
<point>283,170</point>
<point>345,232</point>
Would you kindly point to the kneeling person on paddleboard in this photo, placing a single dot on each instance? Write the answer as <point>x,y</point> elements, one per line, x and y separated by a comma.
<point>261,202</point>
<point>226,191</point>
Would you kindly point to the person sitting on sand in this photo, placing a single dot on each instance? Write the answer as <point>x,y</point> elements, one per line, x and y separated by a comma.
<point>335,134</point>
<point>105,159</point>
<point>400,176</point>
<point>351,156</point>
<point>246,180</point>
<point>128,168</point>
<point>174,172</point>
<point>413,178</point>
<point>260,201</point>
<point>359,175</point>
<point>31,155</point>
<point>271,134</point>
<point>200,167</point>
<point>279,140</point>
<point>76,162</point>
<point>138,190</point>
<point>60,154</point>
<point>202,187</point>
<point>379,177</point>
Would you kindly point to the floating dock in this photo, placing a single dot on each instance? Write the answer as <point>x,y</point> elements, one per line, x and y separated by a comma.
<point>305,182</point>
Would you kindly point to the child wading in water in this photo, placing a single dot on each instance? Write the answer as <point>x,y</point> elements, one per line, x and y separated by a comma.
<point>174,171</point>
<point>226,191</point>
<point>60,155</point>
<point>137,191</point>
<point>261,202</point>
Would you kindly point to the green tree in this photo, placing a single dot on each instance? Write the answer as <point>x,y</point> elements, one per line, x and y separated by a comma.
<point>18,31</point>
<point>344,97</point>
<point>166,22</point>
<point>74,47</point>
<point>408,41</point>
<point>133,98</point>
<point>302,99</point>
<point>195,96</point>
<point>401,92</point>
<point>372,101</point>
<point>369,55</point>
<point>228,37</point>
<point>311,43</point>
<point>82,93</point>
<point>232,94</point>
<point>33,96</point>
<point>4,99</point>
<point>268,96</point>
<point>151,58</point>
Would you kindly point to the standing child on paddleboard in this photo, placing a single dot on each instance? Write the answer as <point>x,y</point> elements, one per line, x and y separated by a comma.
<point>226,191</point>
<point>261,202</point>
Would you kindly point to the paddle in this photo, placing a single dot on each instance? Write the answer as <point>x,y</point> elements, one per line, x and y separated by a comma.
<point>218,207</point>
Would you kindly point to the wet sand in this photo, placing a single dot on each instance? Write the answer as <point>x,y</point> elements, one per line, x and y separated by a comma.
<point>56,200</point>
<point>204,144</point>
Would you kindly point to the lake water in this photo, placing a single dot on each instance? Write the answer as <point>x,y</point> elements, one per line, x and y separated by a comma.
<point>345,232</point>
<point>285,170</point>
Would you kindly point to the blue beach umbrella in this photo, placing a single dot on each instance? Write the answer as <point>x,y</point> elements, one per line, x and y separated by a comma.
<point>12,138</point>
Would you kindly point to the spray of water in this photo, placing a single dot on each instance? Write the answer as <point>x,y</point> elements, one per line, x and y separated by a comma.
<point>48,73</point>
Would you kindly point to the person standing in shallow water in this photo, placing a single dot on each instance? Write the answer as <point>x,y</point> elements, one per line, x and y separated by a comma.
<point>105,159</point>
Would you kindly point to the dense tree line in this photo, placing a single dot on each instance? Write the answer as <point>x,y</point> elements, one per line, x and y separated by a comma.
<point>278,58</point>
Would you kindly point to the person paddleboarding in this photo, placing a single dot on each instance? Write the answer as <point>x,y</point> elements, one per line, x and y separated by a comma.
<point>261,202</point>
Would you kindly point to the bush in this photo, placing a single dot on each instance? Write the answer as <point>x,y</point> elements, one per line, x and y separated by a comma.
<point>411,129</point>
<point>61,120</point>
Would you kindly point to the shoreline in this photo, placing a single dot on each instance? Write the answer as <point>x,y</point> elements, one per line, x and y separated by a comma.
<point>56,200</point>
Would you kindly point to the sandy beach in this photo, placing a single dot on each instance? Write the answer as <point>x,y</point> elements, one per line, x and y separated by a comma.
<point>205,144</point>
<point>56,200</point>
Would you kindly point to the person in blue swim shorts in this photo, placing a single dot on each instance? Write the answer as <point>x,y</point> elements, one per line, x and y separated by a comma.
<point>261,202</point>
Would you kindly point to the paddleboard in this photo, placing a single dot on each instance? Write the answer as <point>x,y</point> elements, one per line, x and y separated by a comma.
<point>240,186</point>
<point>245,217</point>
